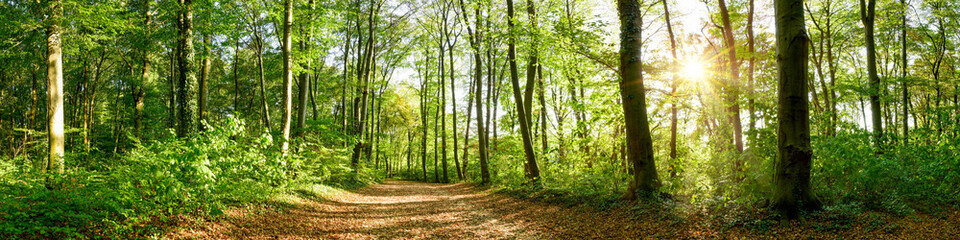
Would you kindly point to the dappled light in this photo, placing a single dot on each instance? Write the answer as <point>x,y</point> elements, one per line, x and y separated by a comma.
<point>479,119</point>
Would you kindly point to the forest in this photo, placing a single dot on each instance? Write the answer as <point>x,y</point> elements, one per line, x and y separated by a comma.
<point>479,119</point>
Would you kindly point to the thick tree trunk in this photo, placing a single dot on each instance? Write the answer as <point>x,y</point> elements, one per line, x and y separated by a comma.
<point>187,75</point>
<point>639,142</point>
<point>792,172</point>
<point>54,87</point>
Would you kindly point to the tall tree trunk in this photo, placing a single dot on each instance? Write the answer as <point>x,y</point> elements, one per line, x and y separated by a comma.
<point>639,142</point>
<point>903,73</point>
<point>187,74</point>
<point>54,87</point>
<point>204,79</point>
<point>265,110</point>
<point>792,172</point>
<point>443,104</point>
<point>304,76</point>
<point>733,83</point>
<point>673,92</point>
<point>751,39</point>
<point>172,91</point>
<point>453,99</point>
<point>236,77</point>
<point>532,170</point>
<point>287,76</point>
<point>867,9</point>
<point>544,145</point>
<point>139,94</point>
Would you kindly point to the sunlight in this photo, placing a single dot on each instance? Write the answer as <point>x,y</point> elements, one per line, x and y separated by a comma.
<point>694,70</point>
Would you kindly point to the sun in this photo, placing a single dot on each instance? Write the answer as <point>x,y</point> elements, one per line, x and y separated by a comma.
<point>694,70</point>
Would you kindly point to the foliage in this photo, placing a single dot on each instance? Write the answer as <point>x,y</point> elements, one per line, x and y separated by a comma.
<point>157,182</point>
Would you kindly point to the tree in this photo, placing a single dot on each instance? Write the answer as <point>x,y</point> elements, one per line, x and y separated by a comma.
<point>532,170</point>
<point>903,73</point>
<point>791,177</point>
<point>204,82</point>
<point>673,91</point>
<point>732,84</point>
<point>187,71</point>
<point>867,16</point>
<point>633,97</point>
<point>55,86</point>
<point>305,76</point>
<point>287,76</point>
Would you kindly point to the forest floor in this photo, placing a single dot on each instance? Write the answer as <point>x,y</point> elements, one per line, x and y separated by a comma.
<point>413,210</point>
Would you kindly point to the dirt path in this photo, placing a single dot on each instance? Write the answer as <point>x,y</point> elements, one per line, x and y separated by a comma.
<point>392,210</point>
<point>413,210</point>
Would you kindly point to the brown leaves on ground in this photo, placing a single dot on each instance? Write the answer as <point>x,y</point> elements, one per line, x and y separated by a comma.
<point>412,210</point>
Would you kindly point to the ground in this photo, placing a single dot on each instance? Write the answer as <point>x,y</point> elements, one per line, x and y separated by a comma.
<point>413,210</point>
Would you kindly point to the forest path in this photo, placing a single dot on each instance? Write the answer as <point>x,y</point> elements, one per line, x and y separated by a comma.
<point>409,210</point>
<point>415,210</point>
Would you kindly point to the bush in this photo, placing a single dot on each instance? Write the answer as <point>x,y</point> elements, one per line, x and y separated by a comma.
<point>150,184</point>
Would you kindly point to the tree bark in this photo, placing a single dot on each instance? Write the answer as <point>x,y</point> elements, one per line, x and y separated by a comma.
<point>792,170</point>
<point>751,99</point>
<point>531,168</point>
<point>287,76</point>
<point>733,83</point>
<point>186,105</point>
<point>54,87</point>
<point>204,79</point>
<point>903,73</point>
<point>673,91</point>
<point>302,94</point>
<point>867,16</point>
<point>639,142</point>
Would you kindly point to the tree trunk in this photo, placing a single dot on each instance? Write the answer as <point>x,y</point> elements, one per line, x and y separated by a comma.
<point>733,83</point>
<point>265,110</point>
<point>54,88</point>
<point>903,73</point>
<point>236,77</point>
<point>639,142</point>
<point>139,94</point>
<point>204,79</point>
<point>187,74</point>
<point>673,92</point>
<point>287,76</point>
<point>443,105</point>
<point>792,172</point>
<point>302,94</point>
<point>531,168</point>
<point>867,10</point>
<point>751,99</point>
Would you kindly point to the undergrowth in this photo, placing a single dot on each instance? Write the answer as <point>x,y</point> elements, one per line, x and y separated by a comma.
<point>143,191</point>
